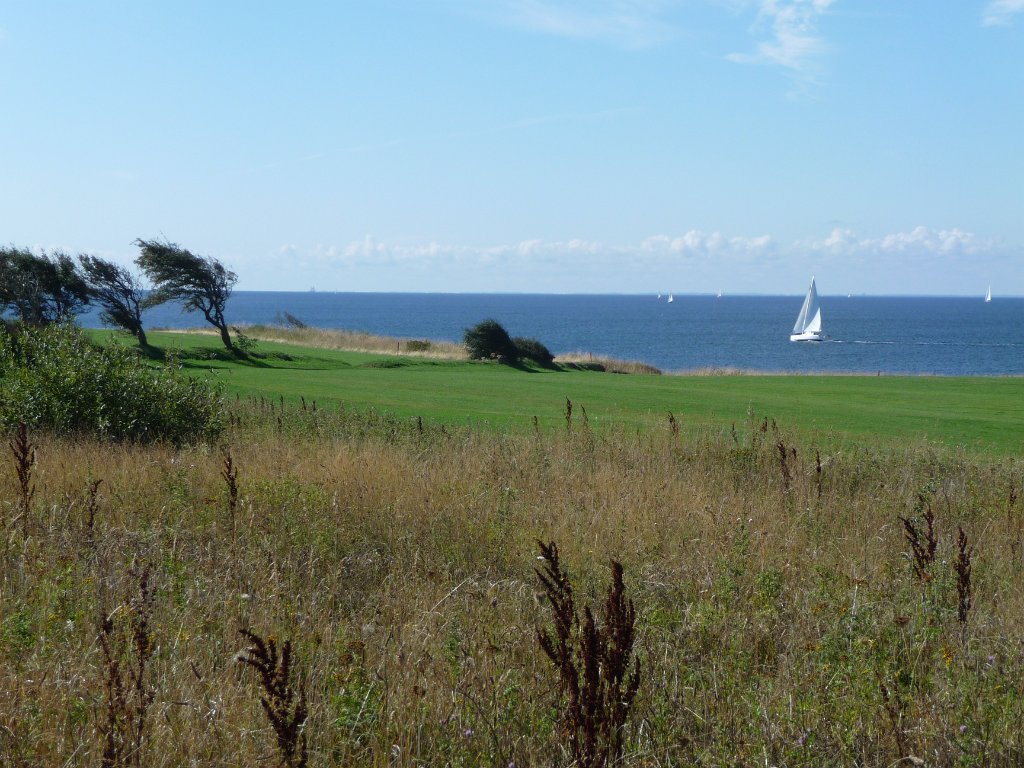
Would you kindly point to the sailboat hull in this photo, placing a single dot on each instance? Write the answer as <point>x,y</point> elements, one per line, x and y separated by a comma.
<point>807,336</point>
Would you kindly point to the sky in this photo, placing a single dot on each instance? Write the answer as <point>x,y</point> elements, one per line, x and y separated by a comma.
<point>543,146</point>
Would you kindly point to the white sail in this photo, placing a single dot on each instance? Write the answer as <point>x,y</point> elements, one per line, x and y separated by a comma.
<point>808,322</point>
<point>988,294</point>
<point>810,312</point>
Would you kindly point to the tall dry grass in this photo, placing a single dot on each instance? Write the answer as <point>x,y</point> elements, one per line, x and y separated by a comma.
<point>605,363</point>
<point>357,341</point>
<point>779,619</point>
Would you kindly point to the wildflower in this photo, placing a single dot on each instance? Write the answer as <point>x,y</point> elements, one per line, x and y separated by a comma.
<point>963,729</point>
<point>468,733</point>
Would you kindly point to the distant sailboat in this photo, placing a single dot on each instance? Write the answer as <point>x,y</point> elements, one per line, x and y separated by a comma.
<point>808,322</point>
<point>670,299</point>
<point>719,293</point>
<point>988,295</point>
<point>659,295</point>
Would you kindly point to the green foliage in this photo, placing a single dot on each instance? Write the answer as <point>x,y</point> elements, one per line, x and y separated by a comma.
<point>199,283</point>
<point>52,378</point>
<point>118,291</point>
<point>40,289</point>
<point>488,340</point>
<point>531,349</point>
<point>244,345</point>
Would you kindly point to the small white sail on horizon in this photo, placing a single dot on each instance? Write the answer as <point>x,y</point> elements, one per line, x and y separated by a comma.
<point>988,295</point>
<point>808,322</point>
<point>670,299</point>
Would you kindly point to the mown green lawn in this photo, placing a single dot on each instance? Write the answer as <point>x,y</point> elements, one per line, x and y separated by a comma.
<point>980,414</point>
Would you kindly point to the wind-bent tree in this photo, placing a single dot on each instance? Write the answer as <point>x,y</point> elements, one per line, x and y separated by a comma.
<point>41,289</point>
<point>198,282</point>
<point>118,291</point>
<point>489,340</point>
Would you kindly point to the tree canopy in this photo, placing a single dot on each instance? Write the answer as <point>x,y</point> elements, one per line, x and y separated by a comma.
<point>199,282</point>
<point>489,340</point>
<point>41,289</point>
<point>118,291</point>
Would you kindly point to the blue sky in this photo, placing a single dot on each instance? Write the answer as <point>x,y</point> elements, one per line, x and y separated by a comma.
<point>526,145</point>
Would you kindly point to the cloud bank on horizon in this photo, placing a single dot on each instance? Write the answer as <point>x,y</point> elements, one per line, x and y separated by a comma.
<point>693,261</point>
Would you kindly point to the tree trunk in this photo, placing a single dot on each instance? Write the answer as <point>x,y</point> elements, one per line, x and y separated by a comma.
<point>141,336</point>
<point>226,337</point>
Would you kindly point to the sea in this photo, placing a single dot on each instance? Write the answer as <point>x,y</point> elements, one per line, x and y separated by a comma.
<point>949,336</point>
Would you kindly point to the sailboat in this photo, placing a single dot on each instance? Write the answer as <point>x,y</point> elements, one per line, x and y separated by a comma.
<point>988,295</point>
<point>719,293</point>
<point>670,299</point>
<point>808,322</point>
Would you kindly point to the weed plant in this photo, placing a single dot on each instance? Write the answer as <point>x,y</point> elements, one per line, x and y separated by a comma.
<point>779,606</point>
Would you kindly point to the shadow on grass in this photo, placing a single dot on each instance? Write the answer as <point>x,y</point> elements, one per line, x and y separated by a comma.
<point>197,358</point>
<point>534,366</point>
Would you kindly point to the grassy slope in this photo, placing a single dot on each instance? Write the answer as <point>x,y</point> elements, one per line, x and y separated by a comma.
<point>980,413</point>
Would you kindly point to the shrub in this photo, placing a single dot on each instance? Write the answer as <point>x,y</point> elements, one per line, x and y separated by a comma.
<point>289,320</point>
<point>531,349</point>
<point>244,345</point>
<point>52,378</point>
<point>487,340</point>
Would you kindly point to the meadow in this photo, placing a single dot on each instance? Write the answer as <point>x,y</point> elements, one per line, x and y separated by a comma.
<point>975,413</point>
<point>806,592</point>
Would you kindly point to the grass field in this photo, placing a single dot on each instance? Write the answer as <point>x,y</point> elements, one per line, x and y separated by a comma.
<point>978,414</point>
<point>791,603</point>
<point>782,617</point>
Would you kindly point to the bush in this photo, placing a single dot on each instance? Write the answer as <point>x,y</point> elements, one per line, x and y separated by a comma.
<point>244,345</point>
<point>531,349</point>
<point>52,378</point>
<point>288,320</point>
<point>489,341</point>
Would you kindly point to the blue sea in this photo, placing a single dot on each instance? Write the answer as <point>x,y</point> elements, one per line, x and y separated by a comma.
<point>918,335</point>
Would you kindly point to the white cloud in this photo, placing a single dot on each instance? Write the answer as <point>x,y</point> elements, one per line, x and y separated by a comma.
<point>627,23</point>
<point>1000,13</point>
<point>919,259</point>
<point>695,244</point>
<point>794,42</point>
<point>694,248</point>
<point>690,246</point>
<point>920,241</point>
